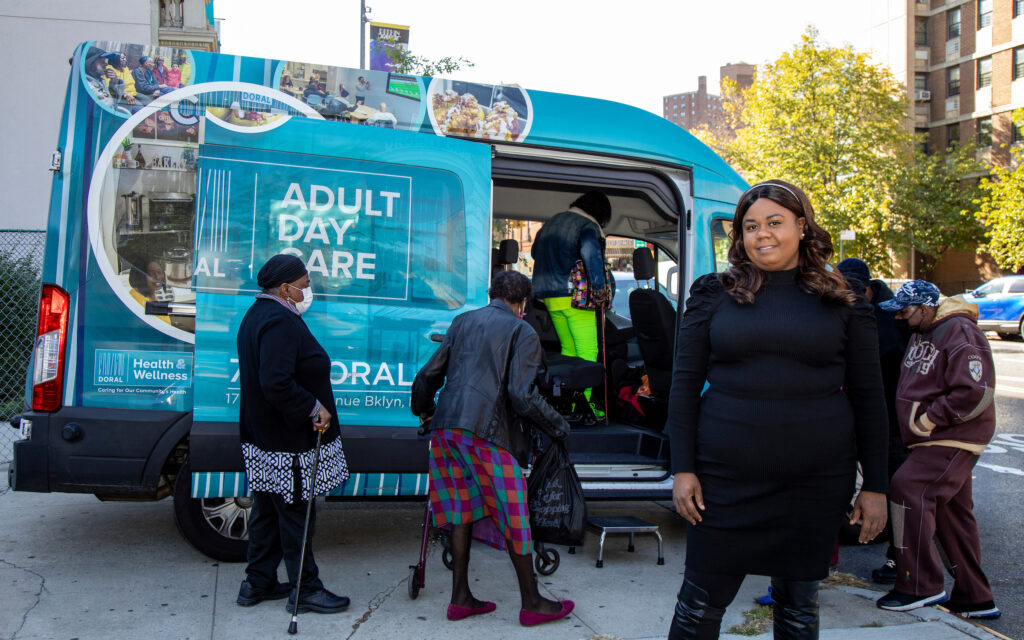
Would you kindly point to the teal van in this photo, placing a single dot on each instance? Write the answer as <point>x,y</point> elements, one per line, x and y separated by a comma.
<point>395,192</point>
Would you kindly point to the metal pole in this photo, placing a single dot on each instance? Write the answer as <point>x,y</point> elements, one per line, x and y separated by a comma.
<point>362,34</point>
<point>840,248</point>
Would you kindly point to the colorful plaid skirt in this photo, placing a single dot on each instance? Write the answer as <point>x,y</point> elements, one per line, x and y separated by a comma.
<point>474,481</point>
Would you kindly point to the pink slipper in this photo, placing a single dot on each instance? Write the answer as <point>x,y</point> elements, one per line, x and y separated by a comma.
<point>530,619</point>
<point>455,612</point>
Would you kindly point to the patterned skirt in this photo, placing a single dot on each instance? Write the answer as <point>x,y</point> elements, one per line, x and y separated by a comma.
<point>474,481</point>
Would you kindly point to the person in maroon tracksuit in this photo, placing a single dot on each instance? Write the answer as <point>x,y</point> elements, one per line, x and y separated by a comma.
<point>945,404</point>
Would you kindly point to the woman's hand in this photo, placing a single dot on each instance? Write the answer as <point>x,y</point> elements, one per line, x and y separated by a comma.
<point>870,510</point>
<point>322,420</point>
<point>687,496</point>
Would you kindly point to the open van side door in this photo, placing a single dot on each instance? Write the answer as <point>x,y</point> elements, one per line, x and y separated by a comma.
<point>395,230</point>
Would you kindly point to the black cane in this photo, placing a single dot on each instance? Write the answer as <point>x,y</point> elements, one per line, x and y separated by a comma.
<point>293,628</point>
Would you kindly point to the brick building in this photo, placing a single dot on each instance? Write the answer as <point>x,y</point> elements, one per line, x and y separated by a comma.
<point>695,109</point>
<point>962,62</point>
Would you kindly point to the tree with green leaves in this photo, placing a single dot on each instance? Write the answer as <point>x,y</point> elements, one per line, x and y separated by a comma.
<point>403,60</point>
<point>934,206</point>
<point>832,122</point>
<point>1001,209</point>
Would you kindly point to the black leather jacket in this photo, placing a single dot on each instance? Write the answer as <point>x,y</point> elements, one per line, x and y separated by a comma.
<point>471,364</point>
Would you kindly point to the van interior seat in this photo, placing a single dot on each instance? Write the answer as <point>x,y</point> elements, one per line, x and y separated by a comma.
<point>654,321</point>
<point>506,254</point>
<point>564,376</point>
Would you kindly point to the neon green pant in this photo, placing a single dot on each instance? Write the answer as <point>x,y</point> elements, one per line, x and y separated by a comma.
<point>576,329</point>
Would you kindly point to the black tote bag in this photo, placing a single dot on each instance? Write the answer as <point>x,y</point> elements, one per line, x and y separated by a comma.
<point>558,512</point>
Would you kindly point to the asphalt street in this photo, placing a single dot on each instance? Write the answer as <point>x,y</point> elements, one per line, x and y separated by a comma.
<point>998,498</point>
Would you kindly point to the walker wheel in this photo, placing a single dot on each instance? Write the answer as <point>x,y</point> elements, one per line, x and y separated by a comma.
<point>414,583</point>
<point>547,561</point>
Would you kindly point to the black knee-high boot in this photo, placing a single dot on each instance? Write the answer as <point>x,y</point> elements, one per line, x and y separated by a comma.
<point>796,609</point>
<point>694,618</point>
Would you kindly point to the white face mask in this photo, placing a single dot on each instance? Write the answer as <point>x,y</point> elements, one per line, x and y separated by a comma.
<point>307,299</point>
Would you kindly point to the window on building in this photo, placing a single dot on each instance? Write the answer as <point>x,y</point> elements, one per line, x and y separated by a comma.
<point>1018,8</point>
<point>984,13</point>
<point>953,23</point>
<point>953,135</point>
<point>920,82</point>
<point>984,72</point>
<point>921,140</point>
<point>952,81</point>
<point>1018,62</point>
<point>984,126</point>
<point>921,30</point>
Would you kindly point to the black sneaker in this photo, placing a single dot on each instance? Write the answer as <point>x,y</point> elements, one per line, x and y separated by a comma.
<point>322,601</point>
<point>896,601</point>
<point>983,610</point>
<point>885,574</point>
<point>249,595</point>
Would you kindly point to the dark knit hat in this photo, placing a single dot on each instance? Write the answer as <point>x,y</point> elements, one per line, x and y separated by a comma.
<point>856,268</point>
<point>280,269</point>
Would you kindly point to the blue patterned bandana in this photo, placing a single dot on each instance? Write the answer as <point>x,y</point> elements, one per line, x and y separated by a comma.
<point>915,292</point>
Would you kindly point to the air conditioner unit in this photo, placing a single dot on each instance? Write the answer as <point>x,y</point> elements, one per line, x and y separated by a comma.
<point>921,95</point>
<point>952,106</point>
<point>953,48</point>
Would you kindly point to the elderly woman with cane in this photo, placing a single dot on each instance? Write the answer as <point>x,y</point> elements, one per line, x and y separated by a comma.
<point>488,364</point>
<point>290,439</point>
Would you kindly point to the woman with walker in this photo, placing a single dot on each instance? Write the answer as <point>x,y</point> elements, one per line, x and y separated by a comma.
<point>488,364</point>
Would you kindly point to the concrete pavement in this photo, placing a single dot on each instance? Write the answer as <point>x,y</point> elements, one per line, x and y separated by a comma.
<point>73,567</point>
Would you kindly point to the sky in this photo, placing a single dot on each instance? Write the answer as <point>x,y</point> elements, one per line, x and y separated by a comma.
<point>633,52</point>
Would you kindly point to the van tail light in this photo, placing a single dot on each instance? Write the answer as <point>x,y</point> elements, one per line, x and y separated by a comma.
<point>48,356</point>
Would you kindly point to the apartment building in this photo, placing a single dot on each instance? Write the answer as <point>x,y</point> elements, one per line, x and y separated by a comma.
<point>962,62</point>
<point>41,37</point>
<point>694,109</point>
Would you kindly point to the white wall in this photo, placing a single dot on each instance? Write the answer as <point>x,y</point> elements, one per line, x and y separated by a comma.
<point>38,37</point>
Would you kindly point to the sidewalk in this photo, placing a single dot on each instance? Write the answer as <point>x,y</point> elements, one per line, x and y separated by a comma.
<point>73,567</point>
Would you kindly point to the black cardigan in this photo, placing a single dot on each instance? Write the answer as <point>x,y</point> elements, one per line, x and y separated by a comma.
<point>283,371</point>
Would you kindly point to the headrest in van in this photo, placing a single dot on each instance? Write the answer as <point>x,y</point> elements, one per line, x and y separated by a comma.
<point>508,251</point>
<point>644,267</point>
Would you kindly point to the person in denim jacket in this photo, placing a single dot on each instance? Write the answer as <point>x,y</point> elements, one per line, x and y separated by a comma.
<point>575,234</point>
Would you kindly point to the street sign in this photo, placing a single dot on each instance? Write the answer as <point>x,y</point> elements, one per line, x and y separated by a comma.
<point>847,234</point>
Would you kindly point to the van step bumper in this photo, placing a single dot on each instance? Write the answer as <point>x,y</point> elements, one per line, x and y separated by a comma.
<point>28,469</point>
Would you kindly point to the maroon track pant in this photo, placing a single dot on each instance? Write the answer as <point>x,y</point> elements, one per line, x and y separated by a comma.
<point>931,498</point>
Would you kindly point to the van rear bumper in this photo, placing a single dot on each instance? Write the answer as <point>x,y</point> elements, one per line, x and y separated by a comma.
<point>117,453</point>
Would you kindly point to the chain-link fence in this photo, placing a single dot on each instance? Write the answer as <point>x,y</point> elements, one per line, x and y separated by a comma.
<point>21,264</point>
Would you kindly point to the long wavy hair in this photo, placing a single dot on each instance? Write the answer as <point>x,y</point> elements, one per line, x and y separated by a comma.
<point>744,279</point>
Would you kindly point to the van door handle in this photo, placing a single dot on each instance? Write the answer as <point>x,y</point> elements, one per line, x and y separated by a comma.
<point>170,309</point>
<point>436,337</point>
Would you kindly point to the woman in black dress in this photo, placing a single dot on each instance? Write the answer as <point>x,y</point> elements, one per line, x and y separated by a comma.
<point>764,461</point>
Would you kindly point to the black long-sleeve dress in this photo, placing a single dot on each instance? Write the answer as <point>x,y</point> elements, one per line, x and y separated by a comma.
<point>794,401</point>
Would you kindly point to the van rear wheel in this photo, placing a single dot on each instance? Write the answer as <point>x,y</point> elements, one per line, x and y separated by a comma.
<point>217,527</point>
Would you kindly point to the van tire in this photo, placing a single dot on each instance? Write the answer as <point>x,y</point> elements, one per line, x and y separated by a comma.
<point>193,517</point>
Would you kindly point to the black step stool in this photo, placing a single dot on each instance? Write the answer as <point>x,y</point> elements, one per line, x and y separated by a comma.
<point>624,524</point>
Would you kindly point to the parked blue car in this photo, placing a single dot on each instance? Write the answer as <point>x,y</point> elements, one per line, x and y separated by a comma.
<point>1000,305</point>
